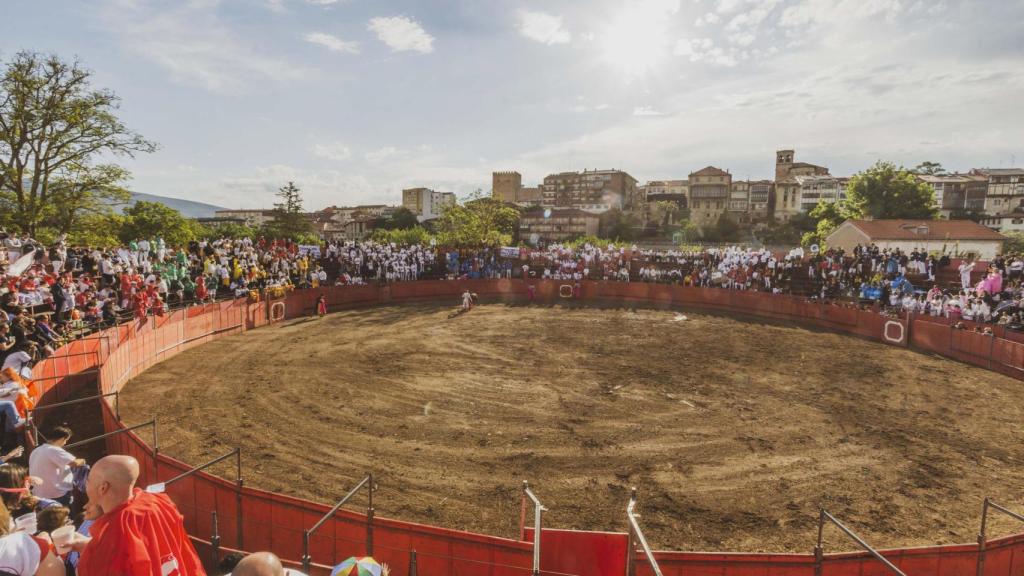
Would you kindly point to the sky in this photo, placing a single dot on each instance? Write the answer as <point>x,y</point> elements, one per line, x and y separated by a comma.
<point>354,100</point>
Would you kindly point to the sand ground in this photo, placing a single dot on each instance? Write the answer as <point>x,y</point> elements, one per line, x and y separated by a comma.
<point>734,432</point>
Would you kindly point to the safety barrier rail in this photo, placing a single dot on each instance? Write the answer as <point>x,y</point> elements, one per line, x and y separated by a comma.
<point>824,516</point>
<point>981,533</point>
<point>636,535</point>
<point>538,512</point>
<point>33,411</point>
<point>368,482</point>
<point>237,454</point>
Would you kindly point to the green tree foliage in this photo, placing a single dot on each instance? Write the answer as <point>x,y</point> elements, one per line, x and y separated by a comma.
<point>481,220</point>
<point>1014,243</point>
<point>930,169</point>
<point>888,191</point>
<point>400,219</point>
<point>403,236</point>
<point>231,230</point>
<point>724,230</point>
<point>829,216</point>
<point>620,226</point>
<point>101,230</point>
<point>151,220</point>
<point>53,127</point>
<point>289,221</point>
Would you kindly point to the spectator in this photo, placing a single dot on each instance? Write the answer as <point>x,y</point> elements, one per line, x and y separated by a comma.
<point>262,564</point>
<point>137,533</point>
<point>52,464</point>
<point>16,490</point>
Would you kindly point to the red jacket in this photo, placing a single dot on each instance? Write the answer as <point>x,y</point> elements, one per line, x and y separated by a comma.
<point>142,537</point>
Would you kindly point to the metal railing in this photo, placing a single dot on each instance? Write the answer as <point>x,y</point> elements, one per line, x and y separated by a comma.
<point>368,482</point>
<point>156,441</point>
<point>984,523</point>
<point>824,516</point>
<point>636,535</point>
<point>538,512</point>
<point>35,429</point>
<point>237,454</point>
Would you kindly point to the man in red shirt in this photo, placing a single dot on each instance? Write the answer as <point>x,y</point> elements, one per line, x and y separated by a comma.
<point>137,533</point>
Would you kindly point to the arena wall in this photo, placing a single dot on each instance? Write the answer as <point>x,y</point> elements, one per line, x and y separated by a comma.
<point>251,519</point>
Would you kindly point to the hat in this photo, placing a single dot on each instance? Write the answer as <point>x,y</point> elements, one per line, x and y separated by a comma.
<point>365,566</point>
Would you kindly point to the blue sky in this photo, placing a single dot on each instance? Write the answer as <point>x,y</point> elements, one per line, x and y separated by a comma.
<point>356,99</point>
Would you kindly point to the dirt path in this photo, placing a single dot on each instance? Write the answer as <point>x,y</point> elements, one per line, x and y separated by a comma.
<point>734,432</point>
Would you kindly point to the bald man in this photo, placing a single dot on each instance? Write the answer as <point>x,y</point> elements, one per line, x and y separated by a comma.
<point>135,533</point>
<point>262,564</point>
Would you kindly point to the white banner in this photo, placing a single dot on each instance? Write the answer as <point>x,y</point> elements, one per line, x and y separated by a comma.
<point>21,264</point>
<point>311,249</point>
<point>507,252</point>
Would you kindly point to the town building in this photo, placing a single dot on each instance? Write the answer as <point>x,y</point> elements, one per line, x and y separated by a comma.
<point>1012,222</point>
<point>710,189</point>
<point>505,186</point>
<point>956,193</point>
<point>508,187</point>
<point>425,203</point>
<point>1005,189</point>
<point>814,190</point>
<point>787,190</point>
<point>761,195</point>
<point>595,191</point>
<point>557,224</point>
<point>958,238</point>
<point>739,202</point>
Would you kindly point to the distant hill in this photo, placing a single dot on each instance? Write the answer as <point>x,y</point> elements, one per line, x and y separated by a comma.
<point>188,208</point>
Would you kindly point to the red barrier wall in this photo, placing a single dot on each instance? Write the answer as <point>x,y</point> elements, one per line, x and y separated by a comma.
<point>252,519</point>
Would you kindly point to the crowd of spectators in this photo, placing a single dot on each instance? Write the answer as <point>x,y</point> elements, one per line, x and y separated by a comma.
<point>49,295</point>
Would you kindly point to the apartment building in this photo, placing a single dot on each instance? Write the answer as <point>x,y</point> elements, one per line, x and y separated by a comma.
<point>425,203</point>
<point>556,224</point>
<point>595,191</point>
<point>710,190</point>
<point>1004,189</point>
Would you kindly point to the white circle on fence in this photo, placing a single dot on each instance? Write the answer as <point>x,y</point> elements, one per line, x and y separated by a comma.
<point>885,332</point>
<point>276,306</point>
<point>565,291</point>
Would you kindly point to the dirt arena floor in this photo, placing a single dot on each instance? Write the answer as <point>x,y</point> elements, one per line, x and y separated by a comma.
<point>734,432</point>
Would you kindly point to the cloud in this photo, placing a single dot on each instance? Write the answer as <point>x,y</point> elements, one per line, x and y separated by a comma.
<point>332,151</point>
<point>323,2</point>
<point>543,27</point>
<point>811,12</point>
<point>402,34</point>
<point>705,50</point>
<point>380,154</point>
<point>191,43</point>
<point>332,43</point>
<point>646,111</point>
<point>707,19</point>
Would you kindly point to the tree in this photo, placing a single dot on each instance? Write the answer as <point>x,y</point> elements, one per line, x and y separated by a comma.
<point>930,169</point>
<point>85,190</point>
<point>725,230</point>
<point>400,219</point>
<point>885,191</point>
<point>619,225</point>
<point>151,220</point>
<point>289,221</point>
<point>829,215</point>
<point>53,126</point>
<point>481,220</point>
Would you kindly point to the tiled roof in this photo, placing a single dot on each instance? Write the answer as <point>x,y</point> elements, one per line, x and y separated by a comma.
<point>925,230</point>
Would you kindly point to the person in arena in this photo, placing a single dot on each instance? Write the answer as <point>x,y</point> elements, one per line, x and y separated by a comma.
<point>321,306</point>
<point>136,533</point>
<point>52,464</point>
